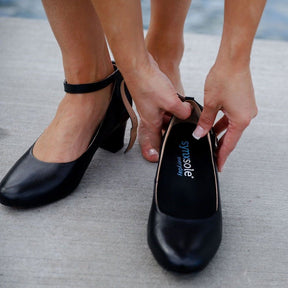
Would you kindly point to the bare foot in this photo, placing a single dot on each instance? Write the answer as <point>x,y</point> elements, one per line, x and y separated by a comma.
<point>70,132</point>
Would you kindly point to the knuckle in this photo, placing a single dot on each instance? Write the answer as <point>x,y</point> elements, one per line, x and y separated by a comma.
<point>171,105</point>
<point>206,120</point>
<point>254,113</point>
<point>243,121</point>
<point>210,103</point>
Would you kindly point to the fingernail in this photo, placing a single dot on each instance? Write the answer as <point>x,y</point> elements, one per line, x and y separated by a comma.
<point>152,152</point>
<point>198,132</point>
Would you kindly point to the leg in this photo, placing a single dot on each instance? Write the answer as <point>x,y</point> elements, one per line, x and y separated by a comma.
<point>85,59</point>
<point>164,41</point>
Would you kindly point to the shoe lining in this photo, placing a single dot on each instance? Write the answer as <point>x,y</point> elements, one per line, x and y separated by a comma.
<point>186,185</point>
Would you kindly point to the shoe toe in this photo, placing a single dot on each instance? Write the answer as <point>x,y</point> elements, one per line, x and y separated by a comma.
<point>31,182</point>
<point>9,195</point>
<point>193,256</point>
<point>184,245</point>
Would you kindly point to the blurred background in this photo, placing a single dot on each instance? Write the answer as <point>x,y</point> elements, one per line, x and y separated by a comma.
<point>205,16</point>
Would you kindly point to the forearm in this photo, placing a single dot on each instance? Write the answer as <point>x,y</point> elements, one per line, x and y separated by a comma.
<point>122,24</point>
<point>241,19</point>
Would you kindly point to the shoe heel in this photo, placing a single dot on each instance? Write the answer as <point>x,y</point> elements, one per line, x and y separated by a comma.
<point>115,141</point>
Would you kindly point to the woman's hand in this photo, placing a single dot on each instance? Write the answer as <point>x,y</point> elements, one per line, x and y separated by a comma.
<point>228,85</point>
<point>154,94</point>
<point>231,91</point>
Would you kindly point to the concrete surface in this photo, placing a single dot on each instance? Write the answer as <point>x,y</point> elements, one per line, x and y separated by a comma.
<point>96,237</point>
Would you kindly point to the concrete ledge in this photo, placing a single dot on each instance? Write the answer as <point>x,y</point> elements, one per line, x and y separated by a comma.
<point>97,236</point>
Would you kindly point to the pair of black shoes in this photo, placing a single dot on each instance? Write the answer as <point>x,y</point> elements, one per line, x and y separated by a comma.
<point>185,224</point>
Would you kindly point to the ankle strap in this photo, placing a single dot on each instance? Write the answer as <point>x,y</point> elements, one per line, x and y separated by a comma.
<point>91,87</point>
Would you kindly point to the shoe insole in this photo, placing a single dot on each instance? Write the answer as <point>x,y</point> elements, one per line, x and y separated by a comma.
<point>186,183</point>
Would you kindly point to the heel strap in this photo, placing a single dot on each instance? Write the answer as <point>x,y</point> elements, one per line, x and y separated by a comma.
<point>134,121</point>
<point>91,87</point>
<point>212,133</point>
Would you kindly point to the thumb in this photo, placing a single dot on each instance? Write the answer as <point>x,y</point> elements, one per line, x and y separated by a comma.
<point>181,110</point>
<point>205,122</point>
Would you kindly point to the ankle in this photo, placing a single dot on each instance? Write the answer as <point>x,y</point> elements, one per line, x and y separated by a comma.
<point>86,70</point>
<point>93,100</point>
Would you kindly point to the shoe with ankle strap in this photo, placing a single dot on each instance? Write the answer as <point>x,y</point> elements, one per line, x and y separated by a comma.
<point>31,182</point>
<point>185,221</point>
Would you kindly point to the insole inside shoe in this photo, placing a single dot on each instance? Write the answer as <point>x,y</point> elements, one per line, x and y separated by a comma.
<point>186,183</point>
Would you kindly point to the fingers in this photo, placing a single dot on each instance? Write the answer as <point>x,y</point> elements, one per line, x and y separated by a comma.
<point>175,106</point>
<point>228,141</point>
<point>205,122</point>
<point>227,144</point>
<point>221,125</point>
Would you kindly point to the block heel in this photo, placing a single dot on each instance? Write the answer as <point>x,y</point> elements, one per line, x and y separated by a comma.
<point>115,141</point>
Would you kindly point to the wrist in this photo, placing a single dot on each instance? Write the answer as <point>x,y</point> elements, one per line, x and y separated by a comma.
<point>137,67</point>
<point>241,19</point>
<point>132,62</point>
<point>234,54</point>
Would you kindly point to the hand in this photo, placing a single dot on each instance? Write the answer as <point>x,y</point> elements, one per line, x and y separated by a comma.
<point>154,94</point>
<point>231,91</point>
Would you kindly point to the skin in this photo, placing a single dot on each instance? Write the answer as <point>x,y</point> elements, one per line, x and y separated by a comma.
<point>228,85</point>
<point>152,91</point>
<point>164,41</point>
<point>82,46</point>
<point>85,60</point>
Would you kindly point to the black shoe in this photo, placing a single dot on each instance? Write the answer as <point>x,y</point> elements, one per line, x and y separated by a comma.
<point>32,182</point>
<point>185,222</point>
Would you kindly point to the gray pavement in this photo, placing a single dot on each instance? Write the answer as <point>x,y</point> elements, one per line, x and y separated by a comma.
<point>96,237</point>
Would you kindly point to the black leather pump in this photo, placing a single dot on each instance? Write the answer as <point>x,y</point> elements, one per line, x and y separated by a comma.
<point>32,182</point>
<point>185,222</point>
